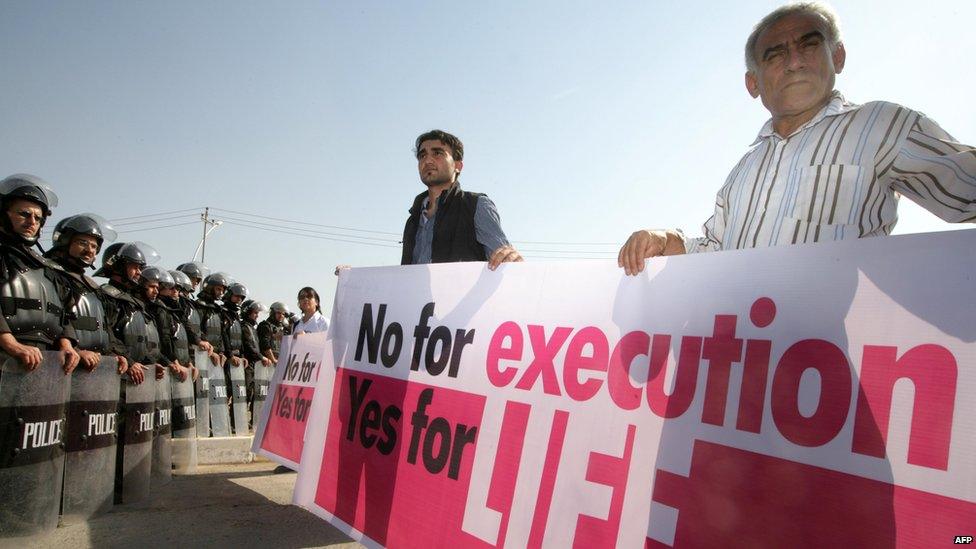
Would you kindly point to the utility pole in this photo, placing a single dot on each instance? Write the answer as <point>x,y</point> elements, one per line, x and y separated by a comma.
<point>208,226</point>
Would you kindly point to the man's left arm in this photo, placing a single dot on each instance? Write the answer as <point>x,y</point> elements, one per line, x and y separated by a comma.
<point>936,172</point>
<point>488,232</point>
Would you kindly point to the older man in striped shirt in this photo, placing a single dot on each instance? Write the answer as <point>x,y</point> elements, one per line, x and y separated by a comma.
<point>822,168</point>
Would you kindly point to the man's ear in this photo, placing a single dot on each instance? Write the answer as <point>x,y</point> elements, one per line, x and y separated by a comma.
<point>752,85</point>
<point>839,57</point>
<point>457,168</point>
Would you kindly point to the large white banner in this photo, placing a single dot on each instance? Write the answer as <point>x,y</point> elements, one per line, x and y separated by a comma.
<point>811,395</point>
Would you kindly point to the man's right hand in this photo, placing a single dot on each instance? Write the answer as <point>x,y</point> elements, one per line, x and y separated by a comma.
<point>644,244</point>
<point>137,373</point>
<point>29,356</point>
<point>89,359</point>
<point>123,364</point>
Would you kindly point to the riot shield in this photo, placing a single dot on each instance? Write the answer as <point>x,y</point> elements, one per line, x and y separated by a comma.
<point>219,411</point>
<point>202,390</point>
<point>90,439</point>
<point>137,420</point>
<point>32,418</point>
<point>184,426</point>
<point>262,379</point>
<point>162,449</point>
<point>238,388</point>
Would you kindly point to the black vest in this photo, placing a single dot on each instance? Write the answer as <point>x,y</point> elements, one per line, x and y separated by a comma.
<point>454,235</point>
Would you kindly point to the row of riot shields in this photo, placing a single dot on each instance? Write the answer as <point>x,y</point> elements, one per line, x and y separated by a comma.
<point>70,443</point>
<point>105,437</point>
<point>222,396</point>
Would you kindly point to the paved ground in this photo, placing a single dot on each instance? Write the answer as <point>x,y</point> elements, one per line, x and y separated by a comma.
<point>240,506</point>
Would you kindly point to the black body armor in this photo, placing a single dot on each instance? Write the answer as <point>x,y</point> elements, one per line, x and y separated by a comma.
<point>234,337</point>
<point>32,306</point>
<point>136,336</point>
<point>89,323</point>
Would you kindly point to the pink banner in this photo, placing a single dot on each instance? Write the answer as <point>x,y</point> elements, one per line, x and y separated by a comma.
<point>280,432</point>
<point>813,396</point>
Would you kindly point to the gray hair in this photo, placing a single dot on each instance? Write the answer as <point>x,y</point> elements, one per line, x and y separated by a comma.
<point>818,9</point>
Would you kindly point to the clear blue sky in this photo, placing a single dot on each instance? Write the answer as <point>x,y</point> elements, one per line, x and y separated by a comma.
<point>583,121</point>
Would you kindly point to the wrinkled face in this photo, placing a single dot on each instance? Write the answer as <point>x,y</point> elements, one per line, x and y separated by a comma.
<point>132,271</point>
<point>436,163</point>
<point>25,217</point>
<point>151,290</point>
<point>83,247</point>
<point>307,302</point>
<point>795,67</point>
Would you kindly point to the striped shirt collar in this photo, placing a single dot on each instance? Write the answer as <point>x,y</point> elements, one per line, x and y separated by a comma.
<point>836,105</point>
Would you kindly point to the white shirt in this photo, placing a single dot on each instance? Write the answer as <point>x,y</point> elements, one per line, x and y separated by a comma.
<point>838,177</point>
<point>317,323</point>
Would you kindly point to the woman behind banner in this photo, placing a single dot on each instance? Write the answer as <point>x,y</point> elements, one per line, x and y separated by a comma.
<point>312,319</point>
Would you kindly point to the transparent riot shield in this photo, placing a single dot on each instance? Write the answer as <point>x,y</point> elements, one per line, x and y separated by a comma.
<point>238,387</point>
<point>137,422</point>
<point>202,390</point>
<point>90,439</point>
<point>219,410</point>
<point>184,426</point>
<point>262,379</point>
<point>162,448</point>
<point>32,418</point>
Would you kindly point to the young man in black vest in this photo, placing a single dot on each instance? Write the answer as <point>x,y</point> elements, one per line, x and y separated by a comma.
<point>446,223</point>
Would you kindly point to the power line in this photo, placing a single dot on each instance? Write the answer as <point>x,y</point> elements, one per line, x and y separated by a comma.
<point>156,214</point>
<point>305,222</point>
<point>160,227</point>
<point>270,226</point>
<point>171,215</point>
<point>247,225</point>
<point>144,221</point>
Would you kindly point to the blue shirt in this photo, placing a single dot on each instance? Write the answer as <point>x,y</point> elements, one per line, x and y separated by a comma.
<point>487,230</point>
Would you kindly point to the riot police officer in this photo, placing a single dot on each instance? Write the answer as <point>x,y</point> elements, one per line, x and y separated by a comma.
<point>250,348</point>
<point>152,281</point>
<point>271,330</point>
<point>180,300</point>
<point>184,337</point>
<point>235,294</point>
<point>208,307</point>
<point>33,298</point>
<point>122,263</point>
<point>196,272</point>
<point>76,241</point>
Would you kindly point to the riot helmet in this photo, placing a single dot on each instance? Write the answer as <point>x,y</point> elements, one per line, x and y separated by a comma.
<point>251,306</point>
<point>279,307</point>
<point>195,270</point>
<point>183,282</point>
<point>85,224</point>
<point>157,274</point>
<point>152,280</point>
<point>27,187</point>
<point>236,288</point>
<point>215,280</point>
<point>120,254</point>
